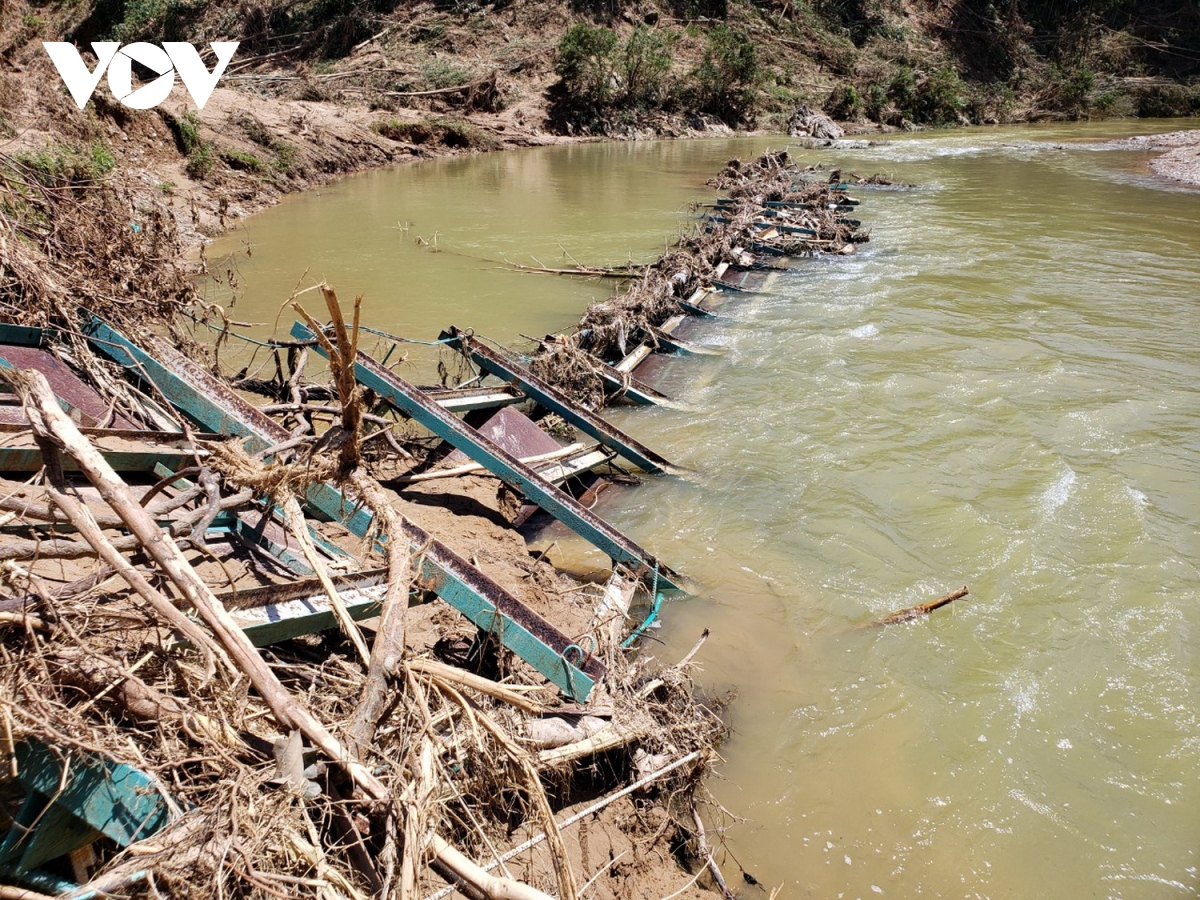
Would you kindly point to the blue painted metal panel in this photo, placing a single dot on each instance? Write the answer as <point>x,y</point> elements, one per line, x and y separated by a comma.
<point>411,401</point>
<point>96,795</point>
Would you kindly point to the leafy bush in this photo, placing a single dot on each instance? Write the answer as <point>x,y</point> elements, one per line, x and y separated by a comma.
<point>157,20</point>
<point>586,64</point>
<point>200,154</point>
<point>200,162</point>
<point>726,83</point>
<point>1074,91</point>
<point>845,103</point>
<point>644,64</point>
<point>941,98</point>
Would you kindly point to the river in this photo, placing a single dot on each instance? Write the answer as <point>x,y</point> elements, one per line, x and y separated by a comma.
<point>1002,389</point>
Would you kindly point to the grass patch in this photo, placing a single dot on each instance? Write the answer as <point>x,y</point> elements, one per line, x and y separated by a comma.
<point>243,162</point>
<point>438,132</point>
<point>68,165</point>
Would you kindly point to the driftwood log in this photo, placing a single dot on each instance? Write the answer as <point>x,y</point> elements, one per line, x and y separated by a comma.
<point>915,612</point>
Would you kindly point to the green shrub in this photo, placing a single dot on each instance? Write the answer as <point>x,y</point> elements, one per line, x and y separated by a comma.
<point>941,98</point>
<point>644,64</point>
<point>1105,102</point>
<point>156,20</point>
<point>726,83</point>
<point>245,162</point>
<point>285,157</point>
<point>1074,91</point>
<point>845,103</point>
<point>187,132</point>
<point>439,73</point>
<point>586,64</point>
<point>201,161</point>
<point>902,91</point>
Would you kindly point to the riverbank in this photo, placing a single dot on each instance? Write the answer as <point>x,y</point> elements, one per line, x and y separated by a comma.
<point>316,91</point>
<point>1179,155</point>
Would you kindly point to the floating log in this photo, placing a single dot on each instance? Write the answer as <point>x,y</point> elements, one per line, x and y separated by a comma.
<point>915,612</point>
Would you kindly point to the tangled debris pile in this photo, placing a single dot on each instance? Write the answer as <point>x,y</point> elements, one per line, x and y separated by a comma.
<point>772,212</point>
<point>252,651</point>
<point>207,691</point>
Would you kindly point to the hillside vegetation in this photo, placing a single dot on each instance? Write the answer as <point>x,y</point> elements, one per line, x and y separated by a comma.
<point>320,87</point>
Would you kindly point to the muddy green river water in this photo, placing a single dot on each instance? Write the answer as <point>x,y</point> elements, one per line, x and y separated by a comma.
<point>1001,390</point>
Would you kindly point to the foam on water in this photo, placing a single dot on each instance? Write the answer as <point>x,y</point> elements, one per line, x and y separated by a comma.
<point>865,331</point>
<point>1058,493</point>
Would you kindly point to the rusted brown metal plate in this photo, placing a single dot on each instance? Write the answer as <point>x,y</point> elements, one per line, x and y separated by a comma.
<point>65,384</point>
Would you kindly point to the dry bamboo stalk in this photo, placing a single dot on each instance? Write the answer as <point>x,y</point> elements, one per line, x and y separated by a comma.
<point>61,548</point>
<point>8,892</point>
<point>583,814</point>
<point>150,704</point>
<point>493,887</point>
<point>705,853</point>
<point>468,468</point>
<point>533,784</point>
<point>607,739</point>
<point>293,518</point>
<point>475,682</point>
<point>19,618</point>
<point>389,647</point>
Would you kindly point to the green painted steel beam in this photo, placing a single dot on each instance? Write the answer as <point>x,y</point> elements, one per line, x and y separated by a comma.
<point>551,398</point>
<point>413,402</point>
<point>82,795</point>
<point>215,407</point>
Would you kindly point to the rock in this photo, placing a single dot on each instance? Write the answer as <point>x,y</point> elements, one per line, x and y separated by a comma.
<point>808,122</point>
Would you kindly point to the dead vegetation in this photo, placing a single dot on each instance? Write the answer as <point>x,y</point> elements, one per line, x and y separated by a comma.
<point>337,766</point>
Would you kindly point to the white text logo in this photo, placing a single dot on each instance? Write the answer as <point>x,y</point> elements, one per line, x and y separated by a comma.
<point>165,61</point>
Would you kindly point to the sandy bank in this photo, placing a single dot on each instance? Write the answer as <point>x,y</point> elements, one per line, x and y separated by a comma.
<point>1180,159</point>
